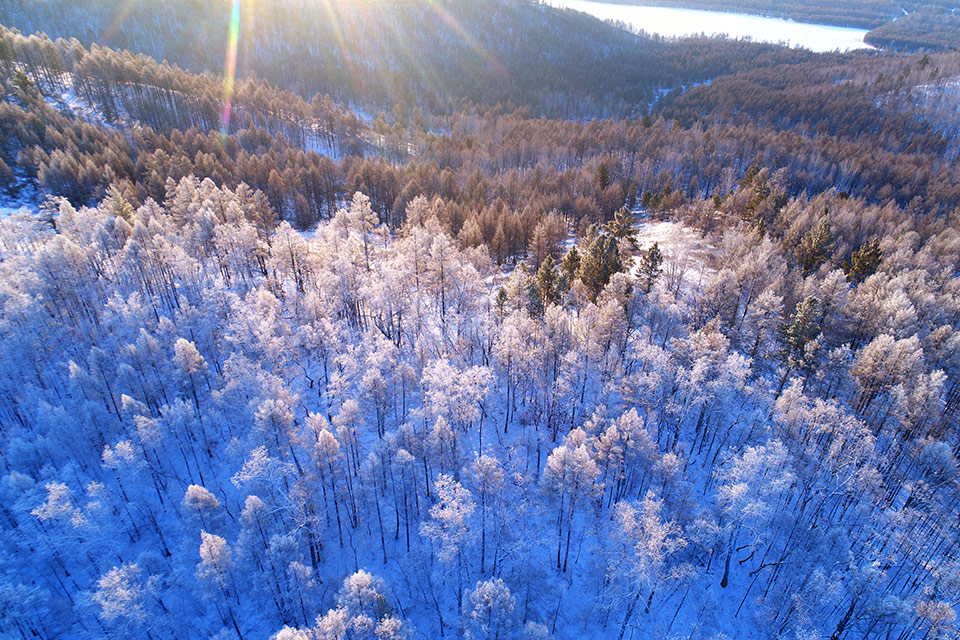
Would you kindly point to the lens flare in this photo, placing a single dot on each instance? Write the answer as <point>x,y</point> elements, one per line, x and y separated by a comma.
<point>230,67</point>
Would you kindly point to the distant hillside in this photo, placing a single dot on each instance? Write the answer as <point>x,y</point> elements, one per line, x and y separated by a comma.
<point>435,55</point>
<point>926,30</point>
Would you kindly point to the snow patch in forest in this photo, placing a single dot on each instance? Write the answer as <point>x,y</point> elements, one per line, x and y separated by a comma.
<point>937,103</point>
<point>686,254</point>
<point>6,210</point>
<point>23,197</point>
<point>944,87</point>
<point>69,102</point>
<point>663,92</point>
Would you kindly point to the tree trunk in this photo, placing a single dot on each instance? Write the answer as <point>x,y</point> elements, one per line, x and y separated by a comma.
<point>628,614</point>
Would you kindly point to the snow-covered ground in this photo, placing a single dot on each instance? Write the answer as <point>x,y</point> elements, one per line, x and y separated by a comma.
<point>68,101</point>
<point>940,100</point>
<point>24,197</point>
<point>663,92</point>
<point>937,102</point>
<point>6,210</point>
<point>677,23</point>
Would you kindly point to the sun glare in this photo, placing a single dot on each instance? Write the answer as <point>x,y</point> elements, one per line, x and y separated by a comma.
<point>230,66</point>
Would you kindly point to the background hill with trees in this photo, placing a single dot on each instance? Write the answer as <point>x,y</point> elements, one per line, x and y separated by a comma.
<point>413,56</point>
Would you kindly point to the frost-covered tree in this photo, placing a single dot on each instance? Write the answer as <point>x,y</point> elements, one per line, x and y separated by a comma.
<point>489,611</point>
<point>750,487</point>
<point>210,421</point>
<point>449,527</point>
<point>488,480</point>
<point>569,477</point>
<point>120,595</point>
<point>364,612</point>
<point>641,555</point>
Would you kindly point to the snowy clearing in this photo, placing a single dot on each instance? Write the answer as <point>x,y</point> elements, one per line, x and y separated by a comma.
<point>686,254</point>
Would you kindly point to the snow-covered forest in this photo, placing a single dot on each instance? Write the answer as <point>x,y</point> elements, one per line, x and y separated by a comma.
<point>662,342</point>
<point>215,428</point>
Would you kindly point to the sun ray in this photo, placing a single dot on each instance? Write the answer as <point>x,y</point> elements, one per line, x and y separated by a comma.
<point>468,38</point>
<point>337,25</point>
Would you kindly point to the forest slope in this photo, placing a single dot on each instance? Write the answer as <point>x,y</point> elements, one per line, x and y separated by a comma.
<point>503,169</point>
<point>413,55</point>
<point>925,30</point>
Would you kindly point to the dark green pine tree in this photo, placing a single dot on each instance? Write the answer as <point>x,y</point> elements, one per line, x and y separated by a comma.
<point>26,88</point>
<point>622,226</point>
<point>651,266</point>
<point>864,262</point>
<point>547,281</point>
<point>6,177</point>
<point>815,247</point>
<point>570,267</point>
<point>600,261</point>
<point>501,302</point>
<point>800,330</point>
<point>603,176</point>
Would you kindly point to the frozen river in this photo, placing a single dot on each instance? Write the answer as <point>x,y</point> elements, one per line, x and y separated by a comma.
<point>683,22</point>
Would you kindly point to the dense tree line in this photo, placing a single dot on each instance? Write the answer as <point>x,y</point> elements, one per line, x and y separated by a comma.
<point>852,97</point>
<point>131,88</point>
<point>500,174</point>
